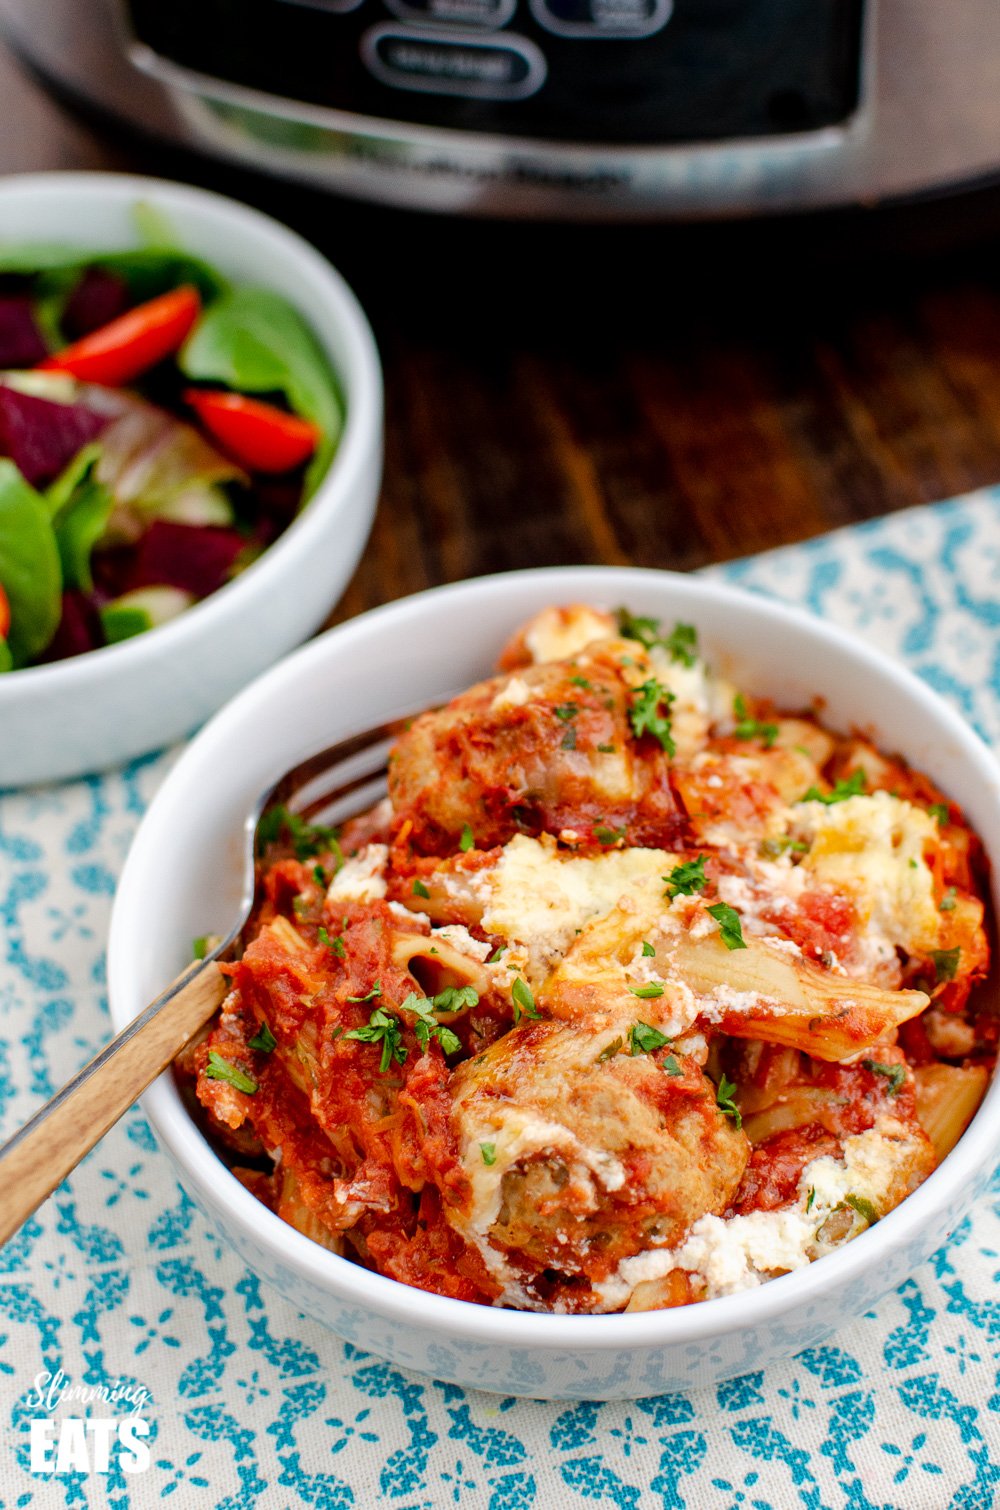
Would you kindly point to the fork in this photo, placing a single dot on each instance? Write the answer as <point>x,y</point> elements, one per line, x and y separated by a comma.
<point>329,786</point>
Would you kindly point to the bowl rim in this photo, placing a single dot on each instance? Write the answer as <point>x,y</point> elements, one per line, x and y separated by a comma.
<point>362,393</point>
<point>534,1331</point>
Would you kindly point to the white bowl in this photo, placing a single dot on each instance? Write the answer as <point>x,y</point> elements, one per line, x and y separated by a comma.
<point>100,708</point>
<point>184,870</point>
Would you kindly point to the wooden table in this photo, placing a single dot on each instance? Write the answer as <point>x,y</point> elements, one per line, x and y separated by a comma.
<point>666,396</point>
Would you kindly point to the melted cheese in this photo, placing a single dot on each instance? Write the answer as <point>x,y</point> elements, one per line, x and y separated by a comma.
<point>555,634</point>
<point>542,898</point>
<point>871,848</point>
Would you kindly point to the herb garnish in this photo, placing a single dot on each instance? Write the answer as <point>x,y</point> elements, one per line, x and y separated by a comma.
<point>220,1069</point>
<point>263,1040</point>
<point>940,811</point>
<point>863,1207</point>
<point>419,889</point>
<point>383,1027</point>
<point>605,749</point>
<point>565,711</point>
<point>726,1104</point>
<point>467,839</point>
<point>609,1051</point>
<point>652,989</point>
<point>336,946</point>
<point>948,901</point>
<point>607,836</point>
<point>671,1066</point>
<point>427,1026</point>
<point>376,990</point>
<point>681,644</point>
<point>781,844</point>
<point>199,946</point>
<point>811,1196</point>
<point>852,786</point>
<point>752,728</point>
<point>945,963</point>
<point>687,878</point>
<point>581,681</point>
<point>500,949</point>
<point>307,839</point>
<point>643,1039</point>
<point>489,1153</point>
<point>730,928</point>
<point>895,1074</point>
<point>647,949</point>
<point>568,741</point>
<point>645,716</point>
<point>524,1002</point>
<point>454,998</point>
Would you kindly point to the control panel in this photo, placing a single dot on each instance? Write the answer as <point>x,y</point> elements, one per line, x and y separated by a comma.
<point>589,71</point>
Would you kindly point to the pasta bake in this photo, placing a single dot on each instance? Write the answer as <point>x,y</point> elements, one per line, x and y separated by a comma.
<point>634,991</point>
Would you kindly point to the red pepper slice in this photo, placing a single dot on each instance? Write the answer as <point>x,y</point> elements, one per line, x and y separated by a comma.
<point>259,436</point>
<point>4,613</point>
<point>124,348</point>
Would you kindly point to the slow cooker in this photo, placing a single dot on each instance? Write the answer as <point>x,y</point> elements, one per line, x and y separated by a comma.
<point>580,109</point>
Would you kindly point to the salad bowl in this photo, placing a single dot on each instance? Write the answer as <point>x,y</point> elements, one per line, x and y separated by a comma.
<point>110,704</point>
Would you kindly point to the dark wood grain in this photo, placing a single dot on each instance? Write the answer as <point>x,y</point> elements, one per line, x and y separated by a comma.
<point>668,396</point>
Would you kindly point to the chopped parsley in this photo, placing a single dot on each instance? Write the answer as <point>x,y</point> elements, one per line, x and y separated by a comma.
<point>376,990</point>
<point>940,811</point>
<point>420,890</point>
<point>948,901</point>
<point>455,998</point>
<point>319,876</point>
<point>605,749</point>
<point>384,1028</point>
<point>671,1066</point>
<point>645,714</point>
<point>498,951</point>
<point>489,1153</point>
<point>220,1069</point>
<point>605,835</point>
<point>467,839</point>
<point>199,946</point>
<point>307,839</point>
<point>427,1026</point>
<point>851,786</point>
<point>752,728</point>
<point>565,711</point>
<point>681,644</point>
<point>643,1039</point>
<point>781,844</point>
<point>524,1002</point>
<point>652,989</point>
<point>730,928</point>
<point>335,946</point>
<point>895,1074</point>
<point>263,1040</point>
<point>637,627</point>
<point>810,1198</point>
<point>609,1051</point>
<point>687,878</point>
<point>568,741</point>
<point>945,963</point>
<point>581,681</point>
<point>647,949</point>
<point>863,1207</point>
<point>724,1101</point>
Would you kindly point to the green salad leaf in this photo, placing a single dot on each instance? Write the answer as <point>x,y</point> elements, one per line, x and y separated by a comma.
<point>80,507</point>
<point>147,270</point>
<point>29,566</point>
<point>253,340</point>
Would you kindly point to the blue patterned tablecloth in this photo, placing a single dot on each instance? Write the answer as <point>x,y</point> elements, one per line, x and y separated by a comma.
<point>118,1279</point>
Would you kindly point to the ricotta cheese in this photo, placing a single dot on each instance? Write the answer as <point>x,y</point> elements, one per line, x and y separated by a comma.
<point>362,877</point>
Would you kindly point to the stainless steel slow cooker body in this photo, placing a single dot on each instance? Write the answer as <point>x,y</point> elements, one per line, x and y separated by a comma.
<point>550,108</point>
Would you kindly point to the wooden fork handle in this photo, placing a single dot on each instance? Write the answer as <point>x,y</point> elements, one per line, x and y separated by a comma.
<point>42,1154</point>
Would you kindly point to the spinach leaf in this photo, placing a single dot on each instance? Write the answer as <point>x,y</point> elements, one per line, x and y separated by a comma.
<point>253,340</point>
<point>29,566</point>
<point>148,270</point>
<point>80,516</point>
